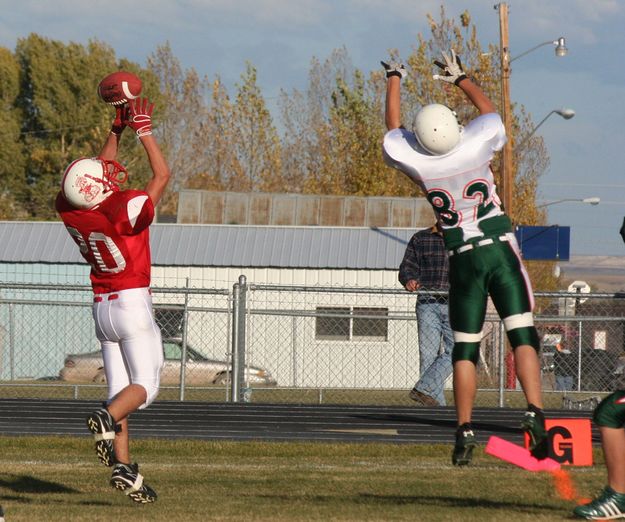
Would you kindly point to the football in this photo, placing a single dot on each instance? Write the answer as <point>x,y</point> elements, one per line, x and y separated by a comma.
<point>119,87</point>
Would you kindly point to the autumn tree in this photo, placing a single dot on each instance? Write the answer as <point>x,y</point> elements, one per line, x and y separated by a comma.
<point>12,156</point>
<point>307,140</point>
<point>181,129</point>
<point>334,131</point>
<point>62,117</point>
<point>254,138</point>
<point>221,166</point>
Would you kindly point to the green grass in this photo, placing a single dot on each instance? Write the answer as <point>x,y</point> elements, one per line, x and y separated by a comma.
<point>59,479</point>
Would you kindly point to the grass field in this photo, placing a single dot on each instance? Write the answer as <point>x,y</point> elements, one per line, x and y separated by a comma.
<point>59,479</point>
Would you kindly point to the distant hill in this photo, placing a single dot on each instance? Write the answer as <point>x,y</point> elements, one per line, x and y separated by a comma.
<point>602,273</point>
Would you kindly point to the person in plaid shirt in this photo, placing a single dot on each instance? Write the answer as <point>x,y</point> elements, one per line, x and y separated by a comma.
<point>425,267</point>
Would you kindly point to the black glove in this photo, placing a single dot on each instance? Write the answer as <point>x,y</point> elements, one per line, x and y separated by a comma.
<point>452,69</point>
<point>394,69</point>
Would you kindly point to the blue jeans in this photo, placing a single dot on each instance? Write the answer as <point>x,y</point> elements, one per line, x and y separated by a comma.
<point>564,382</point>
<point>436,343</point>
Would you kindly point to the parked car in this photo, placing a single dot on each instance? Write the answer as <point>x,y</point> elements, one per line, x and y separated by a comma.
<point>201,371</point>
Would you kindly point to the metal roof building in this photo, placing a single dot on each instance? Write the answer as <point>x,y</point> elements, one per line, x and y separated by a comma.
<point>175,245</point>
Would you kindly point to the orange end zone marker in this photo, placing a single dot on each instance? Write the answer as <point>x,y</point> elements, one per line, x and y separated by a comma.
<point>518,455</point>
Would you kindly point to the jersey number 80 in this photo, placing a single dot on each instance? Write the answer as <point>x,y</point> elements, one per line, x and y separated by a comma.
<point>92,250</point>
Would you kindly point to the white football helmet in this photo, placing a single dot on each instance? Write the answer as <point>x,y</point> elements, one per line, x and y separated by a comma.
<point>437,129</point>
<point>87,182</point>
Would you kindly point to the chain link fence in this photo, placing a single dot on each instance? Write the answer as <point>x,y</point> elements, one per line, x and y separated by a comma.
<point>298,344</point>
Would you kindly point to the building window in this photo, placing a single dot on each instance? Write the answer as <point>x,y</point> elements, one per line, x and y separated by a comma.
<point>351,323</point>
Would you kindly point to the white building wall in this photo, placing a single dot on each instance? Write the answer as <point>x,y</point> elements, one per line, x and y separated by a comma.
<point>286,344</point>
<point>218,277</point>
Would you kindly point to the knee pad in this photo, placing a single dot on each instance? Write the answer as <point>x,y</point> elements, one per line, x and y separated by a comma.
<point>611,411</point>
<point>526,335</point>
<point>466,351</point>
<point>521,330</point>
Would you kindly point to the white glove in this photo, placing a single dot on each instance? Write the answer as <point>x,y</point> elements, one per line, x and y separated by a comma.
<point>394,69</point>
<point>452,68</point>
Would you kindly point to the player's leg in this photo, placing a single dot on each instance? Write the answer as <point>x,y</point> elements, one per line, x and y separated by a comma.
<point>142,351</point>
<point>512,296</point>
<point>143,355</point>
<point>613,444</point>
<point>127,401</point>
<point>103,422</point>
<point>610,417</point>
<point>465,389</point>
<point>467,309</point>
<point>527,365</point>
<point>130,399</point>
<point>100,422</point>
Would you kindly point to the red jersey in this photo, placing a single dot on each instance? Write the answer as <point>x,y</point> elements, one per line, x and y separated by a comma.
<point>113,238</point>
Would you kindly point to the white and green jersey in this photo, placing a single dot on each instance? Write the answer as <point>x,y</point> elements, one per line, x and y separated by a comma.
<point>459,185</point>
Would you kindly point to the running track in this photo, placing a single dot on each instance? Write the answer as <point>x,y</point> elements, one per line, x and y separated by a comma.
<point>271,422</point>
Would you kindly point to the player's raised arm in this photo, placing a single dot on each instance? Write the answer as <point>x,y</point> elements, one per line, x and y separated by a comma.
<point>454,73</point>
<point>394,73</point>
<point>111,145</point>
<point>140,120</point>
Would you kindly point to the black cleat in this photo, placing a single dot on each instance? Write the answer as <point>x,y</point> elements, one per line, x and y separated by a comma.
<point>534,425</point>
<point>102,425</point>
<point>465,443</point>
<point>126,478</point>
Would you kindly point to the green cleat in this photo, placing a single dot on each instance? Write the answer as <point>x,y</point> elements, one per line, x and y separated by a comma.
<point>465,442</point>
<point>534,425</point>
<point>610,505</point>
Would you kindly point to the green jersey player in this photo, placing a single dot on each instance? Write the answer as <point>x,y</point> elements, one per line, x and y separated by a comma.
<point>451,164</point>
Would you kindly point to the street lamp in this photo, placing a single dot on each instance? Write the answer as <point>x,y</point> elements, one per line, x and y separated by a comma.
<point>506,160</point>
<point>567,114</point>
<point>560,49</point>
<point>591,201</point>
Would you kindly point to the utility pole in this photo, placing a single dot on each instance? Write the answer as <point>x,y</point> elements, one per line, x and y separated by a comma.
<point>507,179</point>
<point>506,160</point>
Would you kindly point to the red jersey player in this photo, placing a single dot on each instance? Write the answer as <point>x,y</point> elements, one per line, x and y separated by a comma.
<point>111,228</point>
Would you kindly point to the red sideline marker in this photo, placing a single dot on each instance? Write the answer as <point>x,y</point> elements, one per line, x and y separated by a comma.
<point>518,455</point>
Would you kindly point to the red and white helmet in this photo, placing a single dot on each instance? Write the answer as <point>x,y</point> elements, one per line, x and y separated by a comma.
<point>437,129</point>
<point>87,182</point>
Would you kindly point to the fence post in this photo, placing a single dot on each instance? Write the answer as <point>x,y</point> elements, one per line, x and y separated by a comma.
<point>11,343</point>
<point>294,348</point>
<point>183,355</point>
<point>579,355</point>
<point>239,291</point>
<point>503,366</point>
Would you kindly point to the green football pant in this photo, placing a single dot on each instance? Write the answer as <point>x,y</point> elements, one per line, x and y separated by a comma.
<point>494,269</point>
<point>611,411</point>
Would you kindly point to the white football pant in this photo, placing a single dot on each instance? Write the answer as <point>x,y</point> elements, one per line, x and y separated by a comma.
<point>130,339</point>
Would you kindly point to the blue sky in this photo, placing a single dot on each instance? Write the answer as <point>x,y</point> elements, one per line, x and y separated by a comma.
<point>280,37</point>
